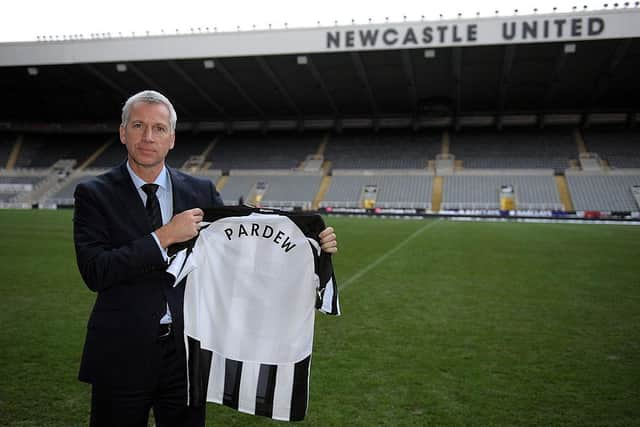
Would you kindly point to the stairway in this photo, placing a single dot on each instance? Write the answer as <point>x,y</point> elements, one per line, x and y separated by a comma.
<point>563,191</point>
<point>436,193</point>
<point>324,187</point>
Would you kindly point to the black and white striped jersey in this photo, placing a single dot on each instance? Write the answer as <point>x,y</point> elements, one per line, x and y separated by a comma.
<point>254,281</point>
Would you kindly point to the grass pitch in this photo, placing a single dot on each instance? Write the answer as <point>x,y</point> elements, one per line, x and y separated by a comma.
<point>445,323</point>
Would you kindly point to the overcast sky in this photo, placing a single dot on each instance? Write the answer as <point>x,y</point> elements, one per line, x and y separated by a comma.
<point>25,20</point>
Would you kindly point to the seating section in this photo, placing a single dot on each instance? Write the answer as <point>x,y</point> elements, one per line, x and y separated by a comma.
<point>64,196</point>
<point>511,149</point>
<point>397,190</point>
<point>283,189</point>
<point>115,154</point>
<point>22,179</point>
<point>257,151</point>
<point>42,151</point>
<point>534,192</point>
<point>188,145</point>
<point>621,148</point>
<point>11,186</point>
<point>6,145</point>
<point>609,193</point>
<point>264,168</point>
<point>385,150</point>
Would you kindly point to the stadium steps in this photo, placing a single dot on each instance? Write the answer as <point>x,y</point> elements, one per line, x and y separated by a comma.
<point>221,182</point>
<point>323,145</point>
<point>563,191</point>
<point>436,193</point>
<point>208,150</point>
<point>92,158</point>
<point>39,191</point>
<point>15,153</point>
<point>322,190</point>
<point>326,166</point>
<point>582,147</point>
<point>446,143</point>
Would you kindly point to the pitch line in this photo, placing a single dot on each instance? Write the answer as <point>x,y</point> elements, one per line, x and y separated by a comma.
<point>386,255</point>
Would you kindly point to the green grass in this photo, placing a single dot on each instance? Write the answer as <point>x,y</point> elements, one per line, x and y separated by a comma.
<point>457,324</point>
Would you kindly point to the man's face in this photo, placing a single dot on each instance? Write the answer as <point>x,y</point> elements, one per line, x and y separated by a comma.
<point>147,134</point>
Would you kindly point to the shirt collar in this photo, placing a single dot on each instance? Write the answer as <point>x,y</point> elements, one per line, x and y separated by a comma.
<point>162,179</point>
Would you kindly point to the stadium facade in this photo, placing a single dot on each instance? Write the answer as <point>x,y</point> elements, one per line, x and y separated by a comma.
<point>419,117</point>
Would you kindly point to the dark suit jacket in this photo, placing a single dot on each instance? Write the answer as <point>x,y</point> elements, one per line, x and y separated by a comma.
<point>119,259</point>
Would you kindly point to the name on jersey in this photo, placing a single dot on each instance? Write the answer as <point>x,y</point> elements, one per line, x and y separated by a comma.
<point>263,231</point>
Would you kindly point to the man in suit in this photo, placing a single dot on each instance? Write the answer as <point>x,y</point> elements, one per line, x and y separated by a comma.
<point>124,221</point>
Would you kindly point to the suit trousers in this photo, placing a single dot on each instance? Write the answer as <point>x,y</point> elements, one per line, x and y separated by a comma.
<point>124,407</point>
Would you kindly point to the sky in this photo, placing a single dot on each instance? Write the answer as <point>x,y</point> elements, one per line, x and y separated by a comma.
<point>26,20</point>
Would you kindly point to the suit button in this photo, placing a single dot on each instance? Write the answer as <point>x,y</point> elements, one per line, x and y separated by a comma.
<point>154,316</point>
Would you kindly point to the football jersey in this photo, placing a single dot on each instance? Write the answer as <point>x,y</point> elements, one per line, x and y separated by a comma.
<point>254,281</point>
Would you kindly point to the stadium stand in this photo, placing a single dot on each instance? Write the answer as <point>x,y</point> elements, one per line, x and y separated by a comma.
<point>42,150</point>
<point>606,193</point>
<point>188,145</point>
<point>389,149</point>
<point>277,150</point>
<point>620,148</point>
<point>399,186</point>
<point>15,183</point>
<point>272,188</point>
<point>406,189</point>
<point>514,149</point>
<point>477,190</point>
<point>114,154</point>
<point>6,145</point>
<point>63,194</point>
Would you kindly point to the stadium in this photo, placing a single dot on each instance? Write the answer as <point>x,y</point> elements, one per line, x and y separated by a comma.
<point>483,175</point>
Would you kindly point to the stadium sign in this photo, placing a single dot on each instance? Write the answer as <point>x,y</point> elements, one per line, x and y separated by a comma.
<point>561,27</point>
<point>510,31</point>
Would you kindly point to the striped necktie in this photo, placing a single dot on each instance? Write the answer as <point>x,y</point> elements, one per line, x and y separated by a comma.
<point>153,205</point>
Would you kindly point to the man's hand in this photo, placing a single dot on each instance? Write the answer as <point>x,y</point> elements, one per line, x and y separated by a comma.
<point>181,228</point>
<point>328,241</point>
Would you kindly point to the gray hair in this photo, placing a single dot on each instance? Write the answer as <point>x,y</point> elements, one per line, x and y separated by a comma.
<point>150,97</point>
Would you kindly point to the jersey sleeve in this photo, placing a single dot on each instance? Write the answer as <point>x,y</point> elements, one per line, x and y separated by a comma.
<point>182,263</point>
<point>327,300</point>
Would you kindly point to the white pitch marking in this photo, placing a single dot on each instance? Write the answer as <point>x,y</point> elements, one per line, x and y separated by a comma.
<point>386,255</point>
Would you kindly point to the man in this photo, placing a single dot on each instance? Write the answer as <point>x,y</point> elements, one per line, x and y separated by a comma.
<point>124,221</point>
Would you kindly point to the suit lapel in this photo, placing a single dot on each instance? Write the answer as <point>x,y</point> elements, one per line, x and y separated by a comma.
<point>131,201</point>
<point>180,191</point>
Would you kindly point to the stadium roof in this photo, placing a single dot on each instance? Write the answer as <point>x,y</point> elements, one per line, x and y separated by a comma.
<point>575,68</point>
